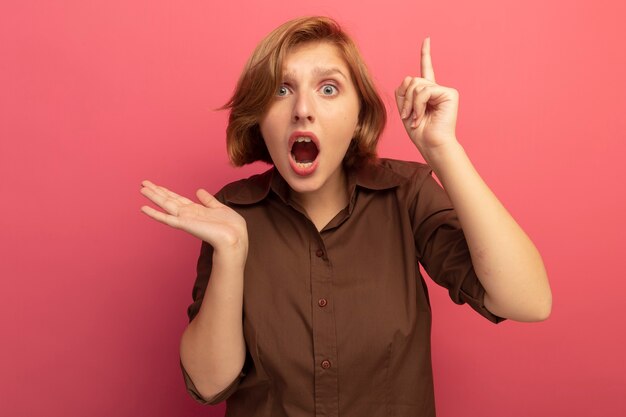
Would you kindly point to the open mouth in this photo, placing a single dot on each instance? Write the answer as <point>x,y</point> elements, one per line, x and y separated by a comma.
<point>304,151</point>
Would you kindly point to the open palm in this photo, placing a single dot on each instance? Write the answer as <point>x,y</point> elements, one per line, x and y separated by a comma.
<point>211,221</point>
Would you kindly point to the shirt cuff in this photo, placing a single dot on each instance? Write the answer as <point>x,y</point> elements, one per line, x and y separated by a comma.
<point>477,302</point>
<point>217,398</point>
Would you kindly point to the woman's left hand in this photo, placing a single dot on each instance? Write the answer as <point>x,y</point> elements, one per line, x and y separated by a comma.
<point>428,110</point>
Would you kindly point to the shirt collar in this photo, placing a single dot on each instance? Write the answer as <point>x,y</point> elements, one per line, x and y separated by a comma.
<point>373,176</point>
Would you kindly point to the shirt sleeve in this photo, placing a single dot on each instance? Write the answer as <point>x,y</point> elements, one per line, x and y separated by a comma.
<point>441,245</point>
<point>204,267</point>
<point>217,398</point>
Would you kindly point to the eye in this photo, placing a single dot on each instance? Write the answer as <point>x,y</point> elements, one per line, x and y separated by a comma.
<point>329,90</point>
<point>282,91</point>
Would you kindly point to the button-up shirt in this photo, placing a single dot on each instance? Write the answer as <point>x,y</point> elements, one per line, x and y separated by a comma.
<point>337,322</point>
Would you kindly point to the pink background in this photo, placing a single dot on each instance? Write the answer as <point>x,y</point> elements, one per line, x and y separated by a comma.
<point>98,95</point>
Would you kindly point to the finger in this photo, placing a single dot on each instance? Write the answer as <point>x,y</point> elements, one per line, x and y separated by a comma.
<point>432,94</point>
<point>420,104</point>
<point>167,219</point>
<point>161,200</point>
<point>147,185</point>
<point>401,93</point>
<point>426,64</point>
<point>407,106</point>
<point>173,195</point>
<point>166,192</point>
<point>409,99</point>
<point>207,199</point>
<point>405,94</point>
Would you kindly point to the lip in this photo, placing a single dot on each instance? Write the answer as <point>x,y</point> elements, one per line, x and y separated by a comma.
<point>303,172</point>
<point>298,134</point>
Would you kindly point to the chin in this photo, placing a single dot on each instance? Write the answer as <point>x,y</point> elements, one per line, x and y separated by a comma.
<point>303,185</point>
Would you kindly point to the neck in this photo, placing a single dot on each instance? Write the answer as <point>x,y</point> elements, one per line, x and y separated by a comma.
<point>324,204</point>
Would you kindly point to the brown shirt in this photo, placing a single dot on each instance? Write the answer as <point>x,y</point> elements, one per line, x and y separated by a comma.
<point>337,322</point>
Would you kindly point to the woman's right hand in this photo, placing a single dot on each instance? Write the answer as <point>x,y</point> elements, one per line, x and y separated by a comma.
<point>217,224</point>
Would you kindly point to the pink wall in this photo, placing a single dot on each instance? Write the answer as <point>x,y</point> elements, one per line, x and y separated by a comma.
<point>97,95</point>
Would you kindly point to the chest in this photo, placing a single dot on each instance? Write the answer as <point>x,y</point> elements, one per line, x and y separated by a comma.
<point>362,269</point>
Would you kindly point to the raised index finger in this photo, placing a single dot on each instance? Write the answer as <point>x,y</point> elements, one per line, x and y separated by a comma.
<point>426,62</point>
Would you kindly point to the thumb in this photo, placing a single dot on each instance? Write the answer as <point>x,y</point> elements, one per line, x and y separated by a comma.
<point>207,199</point>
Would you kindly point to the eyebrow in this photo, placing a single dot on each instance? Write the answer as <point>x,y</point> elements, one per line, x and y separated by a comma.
<point>319,71</point>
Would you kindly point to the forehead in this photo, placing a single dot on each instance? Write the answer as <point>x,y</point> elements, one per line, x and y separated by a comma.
<point>318,57</point>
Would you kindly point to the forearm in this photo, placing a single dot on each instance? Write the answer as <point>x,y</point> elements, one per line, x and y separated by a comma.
<point>212,347</point>
<point>506,261</point>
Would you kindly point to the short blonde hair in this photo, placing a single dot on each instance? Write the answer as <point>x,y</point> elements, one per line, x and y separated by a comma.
<point>262,76</point>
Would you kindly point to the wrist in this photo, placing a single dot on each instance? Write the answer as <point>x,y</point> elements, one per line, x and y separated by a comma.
<point>234,254</point>
<point>441,156</point>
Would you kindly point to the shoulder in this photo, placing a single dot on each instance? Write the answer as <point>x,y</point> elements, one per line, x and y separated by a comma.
<point>247,190</point>
<point>405,169</point>
<point>413,183</point>
<point>388,173</point>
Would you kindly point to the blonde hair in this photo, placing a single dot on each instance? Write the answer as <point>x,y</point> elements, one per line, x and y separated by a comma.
<point>262,76</point>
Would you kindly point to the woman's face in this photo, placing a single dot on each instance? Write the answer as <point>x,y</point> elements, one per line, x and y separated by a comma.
<point>309,125</point>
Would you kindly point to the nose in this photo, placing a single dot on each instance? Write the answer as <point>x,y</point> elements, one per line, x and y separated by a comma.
<point>303,108</point>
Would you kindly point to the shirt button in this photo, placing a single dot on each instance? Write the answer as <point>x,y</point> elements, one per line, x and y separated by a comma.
<point>322,302</point>
<point>319,253</point>
<point>326,364</point>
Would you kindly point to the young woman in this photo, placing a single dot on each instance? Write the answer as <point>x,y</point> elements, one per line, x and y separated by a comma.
<point>308,298</point>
